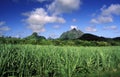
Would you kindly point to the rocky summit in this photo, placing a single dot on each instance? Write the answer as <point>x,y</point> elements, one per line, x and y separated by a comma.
<point>71,34</point>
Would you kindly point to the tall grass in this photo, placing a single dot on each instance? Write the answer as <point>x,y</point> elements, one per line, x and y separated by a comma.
<point>55,61</point>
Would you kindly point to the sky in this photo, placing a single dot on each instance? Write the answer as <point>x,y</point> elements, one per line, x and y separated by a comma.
<point>50,18</point>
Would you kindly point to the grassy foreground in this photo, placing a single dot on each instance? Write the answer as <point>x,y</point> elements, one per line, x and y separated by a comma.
<point>56,61</point>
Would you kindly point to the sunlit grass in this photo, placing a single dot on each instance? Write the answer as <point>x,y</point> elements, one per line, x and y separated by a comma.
<point>56,61</point>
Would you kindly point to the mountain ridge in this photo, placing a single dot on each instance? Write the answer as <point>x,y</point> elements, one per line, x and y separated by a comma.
<point>78,34</point>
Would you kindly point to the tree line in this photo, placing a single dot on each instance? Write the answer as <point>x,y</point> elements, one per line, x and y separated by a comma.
<point>58,42</point>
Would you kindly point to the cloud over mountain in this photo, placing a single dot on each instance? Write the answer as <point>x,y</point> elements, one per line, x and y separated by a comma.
<point>73,27</point>
<point>38,18</point>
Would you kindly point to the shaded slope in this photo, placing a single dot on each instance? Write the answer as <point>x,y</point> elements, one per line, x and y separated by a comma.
<point>91,37</point>
<point>116,39</point>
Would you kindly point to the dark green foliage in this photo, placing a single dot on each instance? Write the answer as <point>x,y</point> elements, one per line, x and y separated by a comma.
<point>116,39</point>
<point>35,36</point>
<point>91,37</point>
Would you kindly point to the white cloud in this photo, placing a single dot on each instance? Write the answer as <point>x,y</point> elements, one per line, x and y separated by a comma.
<point>105,19</point>
<point>106,15</point>
<point>74,20</point>
<point>3,27</point>
<point>73,27</point>
<point>102,19</point>
<point>63,6</point>
<point>112,9</point>
<point>94,21</point>
<point>113,27</point>
<point>91,29</point>
<point>2,23</point>
<point>56,26</point>
<point>38,18</point>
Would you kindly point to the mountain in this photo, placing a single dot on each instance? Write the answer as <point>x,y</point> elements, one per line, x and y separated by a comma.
<point>91,37</point>
<point>77,34</point>
<point>35,36</point>
<point>116,39</point>
<point>72,34</point>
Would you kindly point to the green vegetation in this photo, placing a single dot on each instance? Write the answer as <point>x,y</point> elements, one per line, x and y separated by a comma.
<point>70,38</point>
<point>35,36</point>
<point>58,42</point>
<point>56,61</point>
<point>72,34</point>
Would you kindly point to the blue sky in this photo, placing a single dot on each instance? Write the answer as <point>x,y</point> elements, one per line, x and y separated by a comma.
<point>50,18</point>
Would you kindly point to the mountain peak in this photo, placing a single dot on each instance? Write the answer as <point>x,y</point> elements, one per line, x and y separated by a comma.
<point>72,34</point>
<point>74,29</point>
<point>35,36</point>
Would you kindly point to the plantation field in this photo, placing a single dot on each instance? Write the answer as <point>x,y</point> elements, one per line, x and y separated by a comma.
<point>56,61</point>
